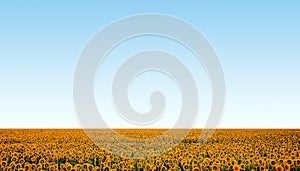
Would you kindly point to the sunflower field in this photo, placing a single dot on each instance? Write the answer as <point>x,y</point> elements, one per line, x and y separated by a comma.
<point>225,150</point>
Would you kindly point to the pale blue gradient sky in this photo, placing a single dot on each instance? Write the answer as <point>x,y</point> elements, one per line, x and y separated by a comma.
<point>257,43</point>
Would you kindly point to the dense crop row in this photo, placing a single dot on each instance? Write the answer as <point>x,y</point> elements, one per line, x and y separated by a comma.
<point>226,150</point>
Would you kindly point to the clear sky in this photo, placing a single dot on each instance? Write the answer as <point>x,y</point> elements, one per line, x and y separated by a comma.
<point>258,44</point>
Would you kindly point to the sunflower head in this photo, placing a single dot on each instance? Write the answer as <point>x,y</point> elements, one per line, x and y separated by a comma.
<point>287,167</point>
<point>214,167</point>
<point>272,162</point>
<point>279,168</point>
<point>186,167</point>
<point>236,167</point>
<point>289,161</point>
<point>196,169</point>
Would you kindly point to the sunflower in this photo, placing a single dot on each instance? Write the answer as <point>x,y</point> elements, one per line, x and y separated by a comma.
<point>42,161</point>
<point>289,161</point>
<point>194,162</point>
<point>14,159</point>
<point>33,166</point>
<point>148,167</point>
<point>172,169</point>
<point>164,168</point>
<point>139,165</point>
<point>225,167</point>
<point>186,167</point>
<point>3,163</point>
<point>236,168</point>
<point>214,167</point>
<point>106,168</point>
<point>272,162</point>
<point>27,166</point>
<point>22,160</point>
<point>196,169</point>
<point>279,168</point>
<point>243,167</point>
<point>90,167</point>
<point>97,168</point>
<point>281,161</point>
<point>287,167</point>
<point>33,159</point>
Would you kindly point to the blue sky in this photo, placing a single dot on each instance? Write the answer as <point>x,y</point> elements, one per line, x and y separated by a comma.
<point>257,44</point>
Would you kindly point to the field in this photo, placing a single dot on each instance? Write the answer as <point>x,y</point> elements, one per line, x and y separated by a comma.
<point>226,150</point>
